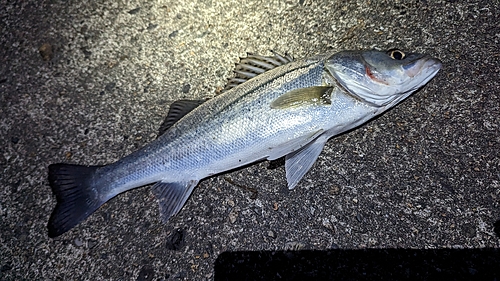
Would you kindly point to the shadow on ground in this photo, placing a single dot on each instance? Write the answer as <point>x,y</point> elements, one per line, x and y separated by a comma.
<point>372,264</point>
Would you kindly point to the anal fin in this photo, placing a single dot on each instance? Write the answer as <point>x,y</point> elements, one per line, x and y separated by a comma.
<point>172,196</point>
<point>299,162</point>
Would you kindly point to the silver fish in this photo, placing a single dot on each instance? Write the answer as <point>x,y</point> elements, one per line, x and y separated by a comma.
<point>275,106</point>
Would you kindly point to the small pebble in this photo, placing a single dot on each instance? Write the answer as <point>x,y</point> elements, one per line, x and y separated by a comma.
<point>233,216</point>
<point>78,242</point>
<point>294,246</point>
<point>110,86</point>
<point>134,11</point>
<point>46,51</point>
<point>176,240</point>
<point>334,190</point>
<point>86,52</point>
<point>92,244</point>
<point>359,218</point>
<point>173,34</point>
<point>147,273</point>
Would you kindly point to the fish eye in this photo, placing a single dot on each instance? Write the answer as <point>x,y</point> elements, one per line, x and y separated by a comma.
<point>396,54</point>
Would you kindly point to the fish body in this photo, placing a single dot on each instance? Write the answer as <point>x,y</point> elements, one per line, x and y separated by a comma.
<point>277,107</point>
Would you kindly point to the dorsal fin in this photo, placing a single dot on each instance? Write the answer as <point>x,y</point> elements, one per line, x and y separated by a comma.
<point>177,110</point>
<point>253,65</point>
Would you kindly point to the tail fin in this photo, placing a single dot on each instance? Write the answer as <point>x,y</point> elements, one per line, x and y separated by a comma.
<point>76,197</point>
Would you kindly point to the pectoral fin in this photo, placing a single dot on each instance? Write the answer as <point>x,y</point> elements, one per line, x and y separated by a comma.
<point>317,95</point>
<point>299,162</point>
<point>172,196</point>
<point>293,145</point>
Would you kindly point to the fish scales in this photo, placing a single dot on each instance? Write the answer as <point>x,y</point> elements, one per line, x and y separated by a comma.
<point>204,138</point>
<point>290,110</point>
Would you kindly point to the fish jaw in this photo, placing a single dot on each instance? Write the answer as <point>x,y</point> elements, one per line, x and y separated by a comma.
<point>378,79</point>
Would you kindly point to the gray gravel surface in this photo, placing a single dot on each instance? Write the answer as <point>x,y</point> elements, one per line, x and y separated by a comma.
<point>90,81</point>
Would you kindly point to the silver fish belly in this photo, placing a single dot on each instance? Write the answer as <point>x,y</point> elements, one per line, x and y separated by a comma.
<point>276,107</point>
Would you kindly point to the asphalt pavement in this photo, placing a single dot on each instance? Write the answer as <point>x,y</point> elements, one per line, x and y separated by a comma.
<point>88,82</point>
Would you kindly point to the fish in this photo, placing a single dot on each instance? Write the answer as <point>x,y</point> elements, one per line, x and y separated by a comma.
<point>273,107</point>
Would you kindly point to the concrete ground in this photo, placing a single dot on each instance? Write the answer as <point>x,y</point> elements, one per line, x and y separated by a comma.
<point>89,82</point>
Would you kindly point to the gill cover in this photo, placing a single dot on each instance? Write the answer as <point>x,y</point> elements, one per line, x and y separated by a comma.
<point>381,79</point>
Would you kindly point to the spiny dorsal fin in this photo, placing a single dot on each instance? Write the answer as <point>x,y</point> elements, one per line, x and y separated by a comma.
<point>318,95</point>
<point>177,110</point>
<point>253,65</point>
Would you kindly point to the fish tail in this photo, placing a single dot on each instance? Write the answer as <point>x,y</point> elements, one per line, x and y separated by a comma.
<point>76,196</point>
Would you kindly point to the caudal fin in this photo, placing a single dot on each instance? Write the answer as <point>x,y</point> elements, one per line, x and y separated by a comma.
<point>76,197</point>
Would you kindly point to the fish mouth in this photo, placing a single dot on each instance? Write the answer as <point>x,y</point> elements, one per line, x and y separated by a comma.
<point>425,64</point>
<point>425,68</point>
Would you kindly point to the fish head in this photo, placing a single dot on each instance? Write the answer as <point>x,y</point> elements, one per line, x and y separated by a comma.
<point>381,79</point>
